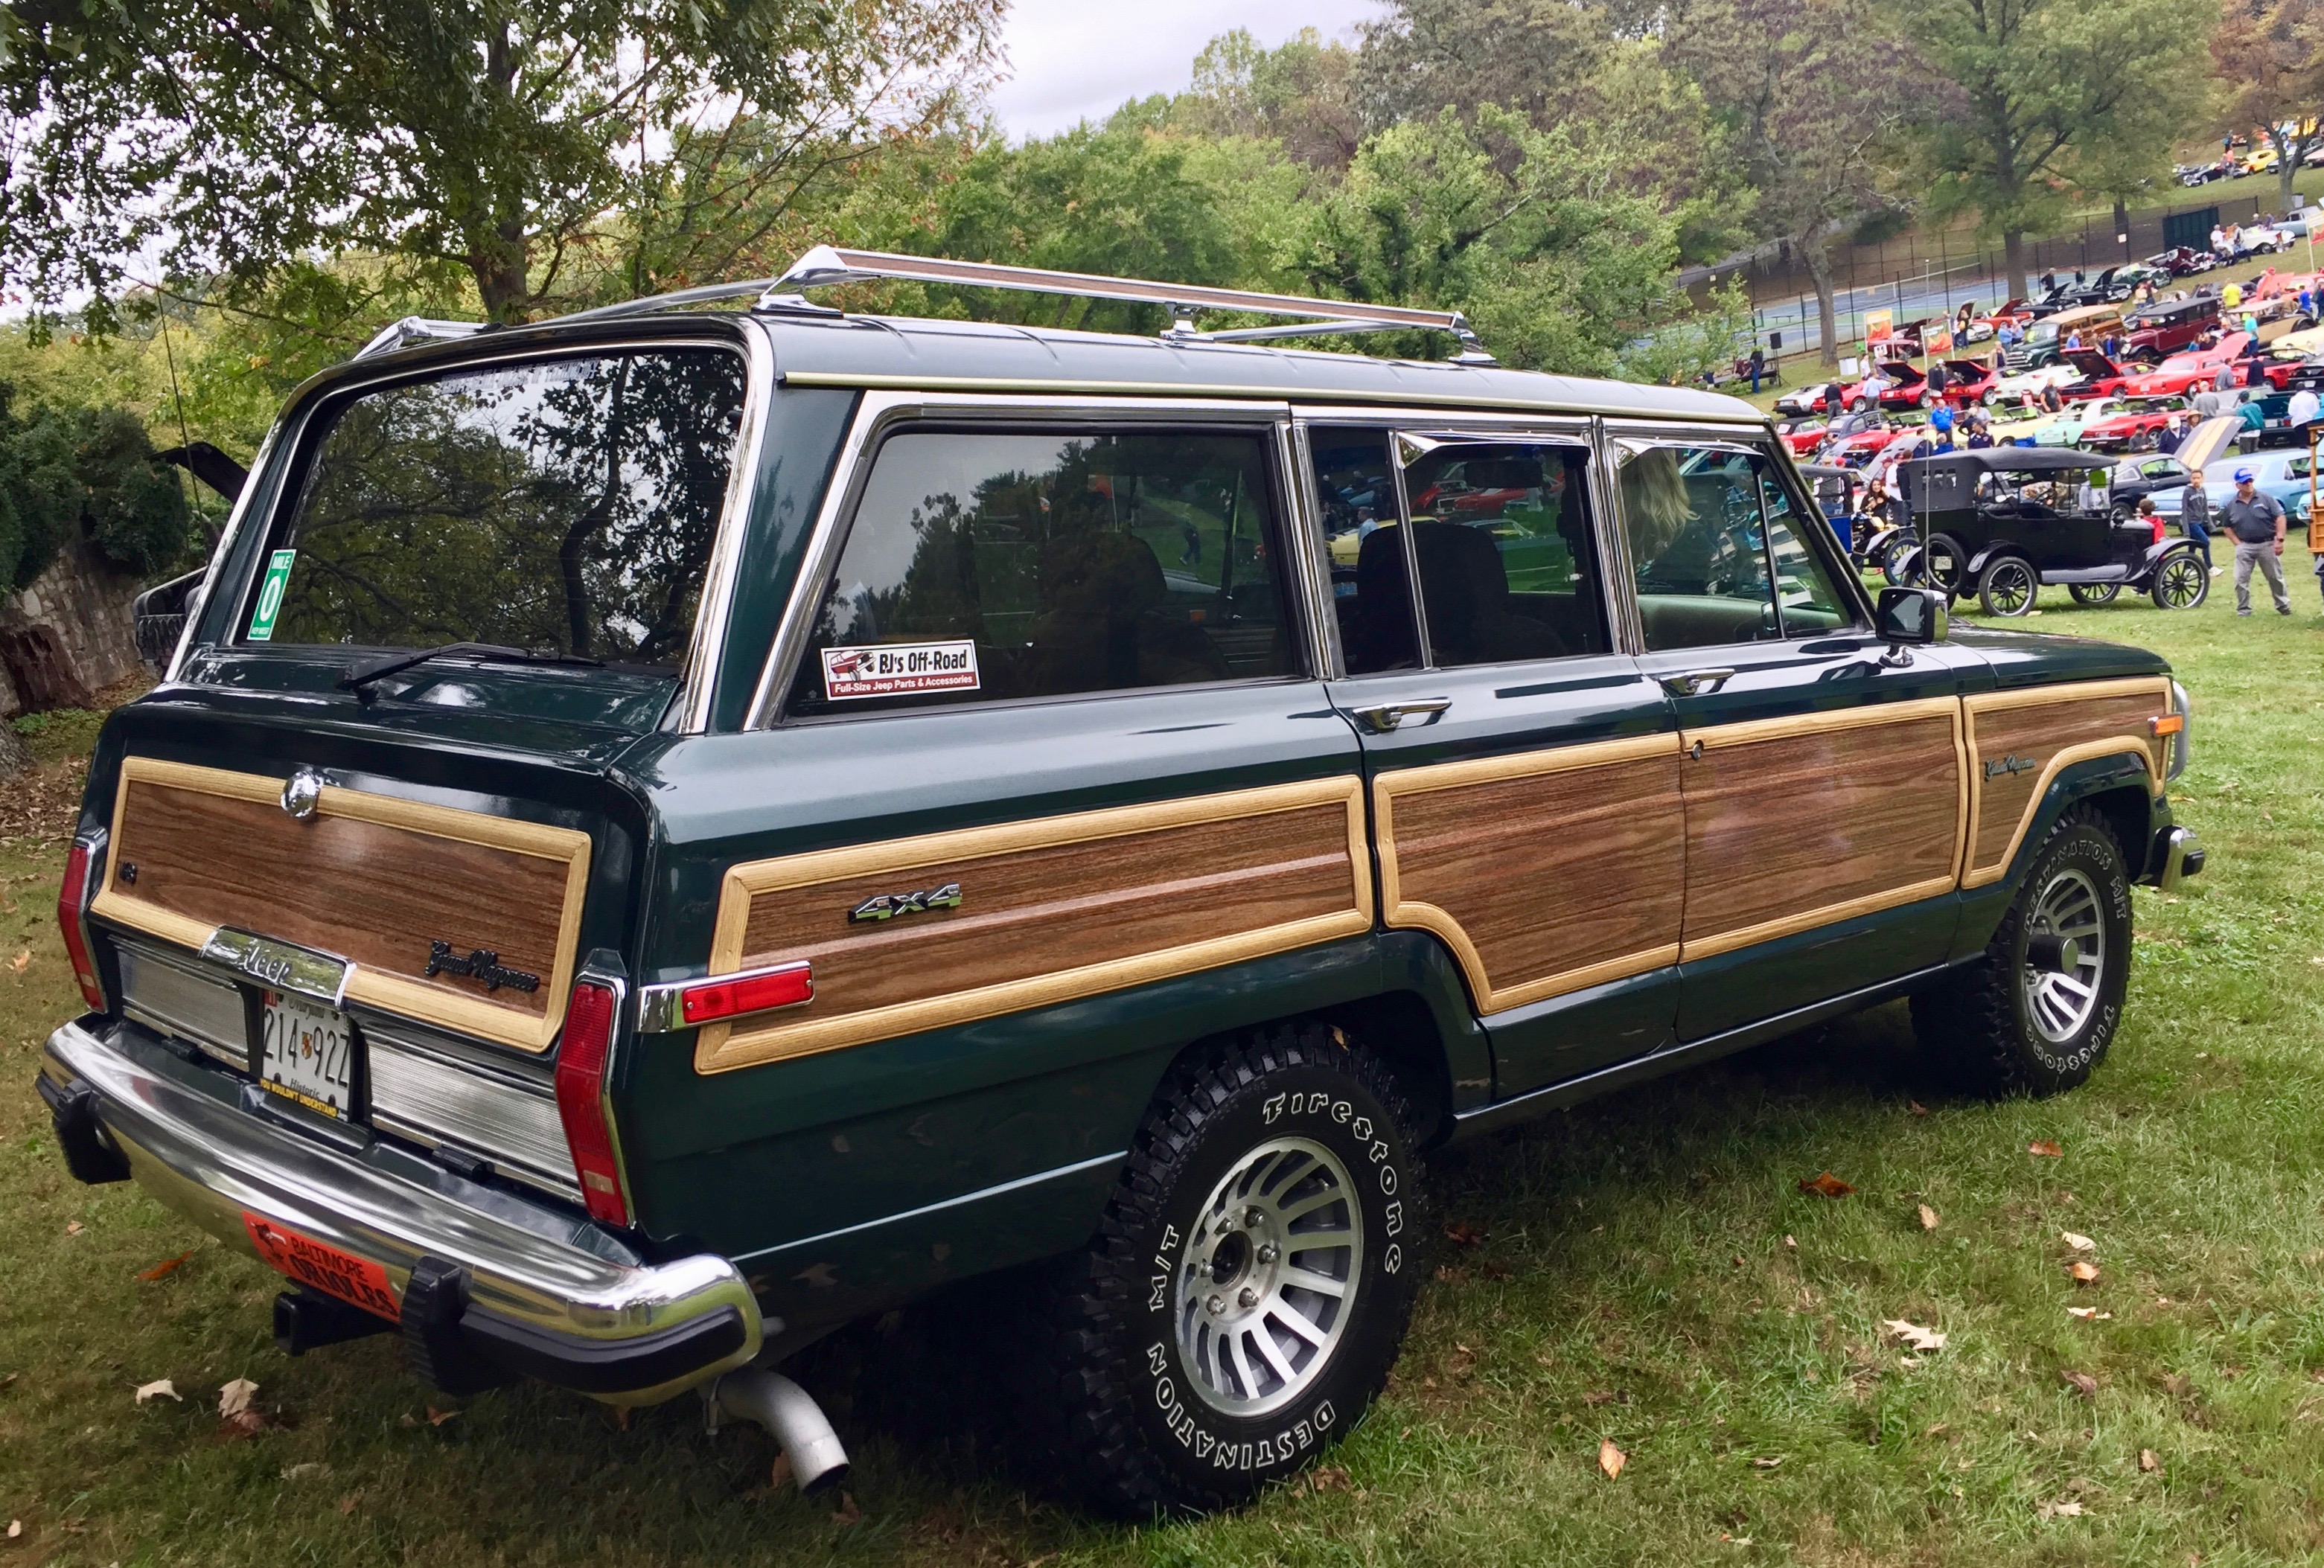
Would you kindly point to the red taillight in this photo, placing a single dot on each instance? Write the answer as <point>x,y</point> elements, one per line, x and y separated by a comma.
<point>72,919</point>
<point>736,994</point>
<point>581,1100</point>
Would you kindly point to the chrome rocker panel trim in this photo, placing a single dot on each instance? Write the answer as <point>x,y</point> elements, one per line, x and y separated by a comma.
<point>537,1276</point>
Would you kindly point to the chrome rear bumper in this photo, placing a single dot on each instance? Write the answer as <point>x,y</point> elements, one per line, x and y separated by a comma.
<point>540,1292</point>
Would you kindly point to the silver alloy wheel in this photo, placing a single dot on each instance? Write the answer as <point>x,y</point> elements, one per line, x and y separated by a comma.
<point>2065,956</point>
<point>1268,1280</point>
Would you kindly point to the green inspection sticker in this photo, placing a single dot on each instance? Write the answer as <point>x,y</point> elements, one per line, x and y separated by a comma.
<point>270,595</point>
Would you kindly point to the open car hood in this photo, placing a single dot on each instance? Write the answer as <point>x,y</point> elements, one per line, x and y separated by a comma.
<point>2205,442</point>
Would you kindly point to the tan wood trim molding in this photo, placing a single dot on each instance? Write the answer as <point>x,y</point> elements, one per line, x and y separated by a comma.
<point>2059,762</point>
<point>393,993</point>
<point>1864,717</point>
<point>723,1047</point>
<point>1404,914</point>
<point>1807,920</point>
<point>2069,691</point>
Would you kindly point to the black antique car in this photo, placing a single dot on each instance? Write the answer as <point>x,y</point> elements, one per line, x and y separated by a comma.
<point>2007,519</point>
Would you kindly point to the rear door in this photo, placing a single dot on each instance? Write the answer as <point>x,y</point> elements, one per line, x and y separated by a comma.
<point>1824,786</point>
<point>1523,770</point>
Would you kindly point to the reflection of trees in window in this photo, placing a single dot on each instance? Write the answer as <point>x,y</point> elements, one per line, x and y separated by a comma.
<point>570,505</point>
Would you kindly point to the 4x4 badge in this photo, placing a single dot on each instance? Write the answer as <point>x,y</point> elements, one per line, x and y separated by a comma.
<point>481,964</point>
<point>888,906</point>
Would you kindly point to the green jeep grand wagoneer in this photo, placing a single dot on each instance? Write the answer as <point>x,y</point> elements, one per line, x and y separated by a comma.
<point>668,830</point>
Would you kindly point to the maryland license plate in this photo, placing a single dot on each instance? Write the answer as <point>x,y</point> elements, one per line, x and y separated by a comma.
<point>308,1054</point>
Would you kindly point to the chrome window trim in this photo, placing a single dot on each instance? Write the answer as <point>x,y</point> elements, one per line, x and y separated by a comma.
<point>1330,660</point>
<point>228,539</point>
<point>698,676</point>
<point>874,414</point>
<point>290,434</point>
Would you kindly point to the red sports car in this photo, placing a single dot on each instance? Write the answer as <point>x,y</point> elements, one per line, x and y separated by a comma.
<point>2185,372</point>
<point>1802,436</point>
<point>2133,432</point>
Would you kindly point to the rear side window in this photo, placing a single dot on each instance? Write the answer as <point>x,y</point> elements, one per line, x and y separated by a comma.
<point>1507,564</point>
<point>991,566</point>
<point>566,505</point>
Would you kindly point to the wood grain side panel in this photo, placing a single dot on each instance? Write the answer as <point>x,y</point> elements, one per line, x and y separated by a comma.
<point>1050,910</point>
<point>2033,730</point>
<point>1543,882</point>
<point>1788,829</point>
<point>368,878</point>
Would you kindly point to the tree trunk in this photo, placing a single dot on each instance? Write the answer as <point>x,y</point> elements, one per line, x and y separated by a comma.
<point>2013,253</point>
<point>1811,251</point>
<point>2287,168</point>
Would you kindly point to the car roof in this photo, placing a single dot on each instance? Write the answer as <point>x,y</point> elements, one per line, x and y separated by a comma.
<point>2015,460</point>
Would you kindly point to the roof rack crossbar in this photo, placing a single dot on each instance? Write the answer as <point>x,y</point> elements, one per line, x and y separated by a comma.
<point>413,329</point>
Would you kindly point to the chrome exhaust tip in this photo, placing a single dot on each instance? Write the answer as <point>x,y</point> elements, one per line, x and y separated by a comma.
<point>789,1411</point>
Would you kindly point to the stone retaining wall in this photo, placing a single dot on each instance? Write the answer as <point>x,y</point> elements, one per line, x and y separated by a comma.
<point>67,636</point>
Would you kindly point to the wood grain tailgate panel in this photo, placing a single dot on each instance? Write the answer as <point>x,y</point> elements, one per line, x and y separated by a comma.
<point>1051,909</point>
<point>369,878</point>
<point>1794,823</point>
<point>1544,872</point>
<point>2049,729</point>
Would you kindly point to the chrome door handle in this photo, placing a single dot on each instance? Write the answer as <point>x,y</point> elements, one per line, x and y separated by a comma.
<point>1381,719</point>
<point>1695,682</point>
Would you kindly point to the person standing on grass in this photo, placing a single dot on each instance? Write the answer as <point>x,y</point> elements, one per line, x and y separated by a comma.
<point>1758,367</point>
<point>2256,520</point>
<point>2195,520</point>
<point>2301,412</point>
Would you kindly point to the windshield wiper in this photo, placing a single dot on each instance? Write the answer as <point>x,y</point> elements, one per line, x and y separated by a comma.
<point>363,674</point>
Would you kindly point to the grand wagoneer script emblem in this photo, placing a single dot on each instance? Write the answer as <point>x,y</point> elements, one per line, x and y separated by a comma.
<point>481,964</point>
<point>2010,764</point>
<point>888,906</point>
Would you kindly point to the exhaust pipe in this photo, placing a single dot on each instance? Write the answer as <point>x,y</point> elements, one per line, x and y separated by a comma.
<point>791,1413</point>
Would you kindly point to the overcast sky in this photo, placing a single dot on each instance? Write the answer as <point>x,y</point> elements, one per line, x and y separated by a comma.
<point>1076,60</point>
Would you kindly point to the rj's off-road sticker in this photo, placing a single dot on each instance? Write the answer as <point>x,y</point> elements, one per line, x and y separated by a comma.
<point>899,669</point>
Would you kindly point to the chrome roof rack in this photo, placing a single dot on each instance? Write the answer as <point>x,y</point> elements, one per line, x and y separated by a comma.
<point>413,329</point>
<point>826,265</point>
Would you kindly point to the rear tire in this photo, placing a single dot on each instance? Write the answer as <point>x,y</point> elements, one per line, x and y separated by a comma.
<point>2181,582</point>
<point>2036,1014</point>
<point>1152,1388</point>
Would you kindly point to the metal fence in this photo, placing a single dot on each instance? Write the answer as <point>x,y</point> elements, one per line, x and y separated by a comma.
<point>1918,274</point>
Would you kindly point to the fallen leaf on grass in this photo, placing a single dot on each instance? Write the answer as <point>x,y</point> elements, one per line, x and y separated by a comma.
<point>2090,1314</point>
<point>2043,1146</point>
<point>1597,1397</point>
<point>1826,1185</point>
<point>1913,1334</point>
<point>2079,1243</point>
<point>166,1266</point>
<point>1460,1233</point>
<point>2147,1462</point>
<point>2082,1383</point>
<point>242,1424</point>
<point>301,1471</point>
<point>1917,1108</point>
<point>15,1529</point>
<point>1611,1459</point>
<point>235,1398</point>
<point>21,962</point>
<point>72,1227</point>
<point>1328,1478</point>
<point>1928,1218</point>
<point>780,1476</point>
<point>846,1513</point>
<point>2084,1273</point>
<point>347,1503</point>
<point>438,1417</point>
<point>160,1389</point>
<point>1791,1244</point>
<point>2059,1510</point>
<point>1770,1462</point>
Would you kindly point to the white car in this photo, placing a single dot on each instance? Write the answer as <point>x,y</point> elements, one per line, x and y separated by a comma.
<point>2028,384</point>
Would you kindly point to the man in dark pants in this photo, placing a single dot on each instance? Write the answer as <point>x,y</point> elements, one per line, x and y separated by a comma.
<point>2256,520</point>
<point>1758,367</point>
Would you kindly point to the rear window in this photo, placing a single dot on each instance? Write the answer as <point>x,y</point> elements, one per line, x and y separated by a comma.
<point>565,507</point>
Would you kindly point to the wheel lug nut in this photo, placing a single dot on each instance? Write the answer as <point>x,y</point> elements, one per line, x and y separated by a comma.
<point>1248,1298</point>
<point>1215,1305</point>
<point>1252,1219</point>
<point>1266,1254</point>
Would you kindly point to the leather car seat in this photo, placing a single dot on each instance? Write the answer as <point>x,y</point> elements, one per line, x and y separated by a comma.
<point>1467,591</point>
<point>1104,623</point>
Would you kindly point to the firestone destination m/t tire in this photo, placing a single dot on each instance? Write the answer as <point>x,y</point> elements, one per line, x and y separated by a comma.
<point>1251,1284</point>
<point>2034,1016</point>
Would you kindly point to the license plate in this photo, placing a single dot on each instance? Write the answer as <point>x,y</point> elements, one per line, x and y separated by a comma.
<point>318,1265</point>
<point>308,1054</point>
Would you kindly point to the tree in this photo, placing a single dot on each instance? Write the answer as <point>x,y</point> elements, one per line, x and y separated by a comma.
<point>2269,57</point>
<point>74,475</point>
<point>513,144</point>
<point>1300,95</point>
<point>1812,91</point>
<point>2026,89</point>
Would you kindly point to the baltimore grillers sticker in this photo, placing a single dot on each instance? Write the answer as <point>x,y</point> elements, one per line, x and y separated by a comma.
<point>321,1267</point>
<point>899,669</point>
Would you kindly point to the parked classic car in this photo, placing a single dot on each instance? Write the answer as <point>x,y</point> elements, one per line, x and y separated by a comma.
<point>2135,429</point>
<point>910,800</point>
<point>2135,479</point>
<point>1808,402</point>
<point>2183,261</point>
<point>2191,370</point>
<point>2045,340</point>
<point>2161,327</point>
<point>2007,520</point>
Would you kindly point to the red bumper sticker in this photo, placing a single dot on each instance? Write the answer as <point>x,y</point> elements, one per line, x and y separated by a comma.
<point>353,1279</point>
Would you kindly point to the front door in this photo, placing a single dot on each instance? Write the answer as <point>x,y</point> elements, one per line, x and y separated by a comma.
<point>1824,786</point>
<point>1524,775</point>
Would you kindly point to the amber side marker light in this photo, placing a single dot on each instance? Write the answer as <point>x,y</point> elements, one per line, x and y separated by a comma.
<point>759,991</point>
<point>581,1100</point>
<point>72,919</point>
<point>2168,724</point>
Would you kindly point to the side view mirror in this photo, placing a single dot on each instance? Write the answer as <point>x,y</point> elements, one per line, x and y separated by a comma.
<point>1910,617</point>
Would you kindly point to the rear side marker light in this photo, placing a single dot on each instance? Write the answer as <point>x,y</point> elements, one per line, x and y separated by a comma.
<point>72,919</point>
<point>760,991</point>
<point>590,1019</point>
<point>2168,724</point>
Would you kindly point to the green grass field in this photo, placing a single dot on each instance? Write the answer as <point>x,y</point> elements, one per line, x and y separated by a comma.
<point>1645,1270</point>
